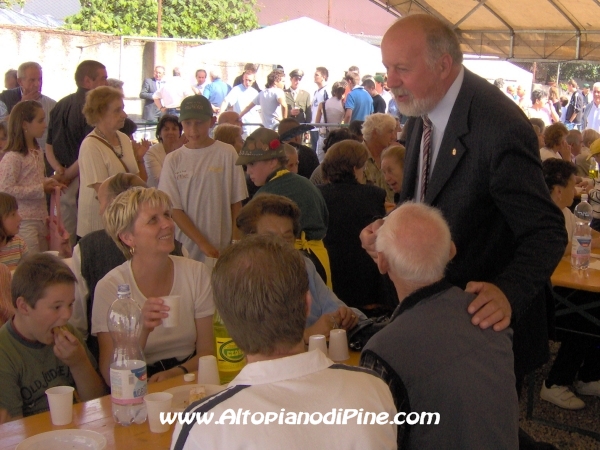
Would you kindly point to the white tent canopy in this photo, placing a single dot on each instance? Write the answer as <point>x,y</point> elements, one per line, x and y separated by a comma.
<point>491,69</point>
<point>297,44</point>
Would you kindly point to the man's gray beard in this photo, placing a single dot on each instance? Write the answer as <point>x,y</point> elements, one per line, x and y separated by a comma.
<point>416,108</point>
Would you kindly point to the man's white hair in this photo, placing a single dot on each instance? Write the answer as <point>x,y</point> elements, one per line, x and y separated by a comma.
<point>290,150</point>
<point>214,73</point>
<point>379,122</point>
<point>27,65</point>
<point>415,240</point>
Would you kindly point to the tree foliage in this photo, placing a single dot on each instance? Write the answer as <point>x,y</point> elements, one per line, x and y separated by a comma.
<point>580,71</point>
<point>205,19</point>
<point>9,4</point>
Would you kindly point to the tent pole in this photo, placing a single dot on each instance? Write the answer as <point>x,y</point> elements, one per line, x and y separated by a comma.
<point>511,52</point>
<point>466,16</point>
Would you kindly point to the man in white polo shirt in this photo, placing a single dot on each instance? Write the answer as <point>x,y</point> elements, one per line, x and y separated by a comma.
<point>260,287</point>
<point>169,97</point>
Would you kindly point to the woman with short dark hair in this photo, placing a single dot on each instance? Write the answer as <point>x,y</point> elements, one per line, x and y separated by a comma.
<point>541,108</point>
<point>168,133</point>
<point>352,206</point>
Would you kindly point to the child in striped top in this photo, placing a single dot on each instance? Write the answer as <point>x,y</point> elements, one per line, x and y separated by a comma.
<point>12,246</point>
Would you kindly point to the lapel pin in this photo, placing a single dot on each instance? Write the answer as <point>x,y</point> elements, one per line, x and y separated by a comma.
<point>453,152</point>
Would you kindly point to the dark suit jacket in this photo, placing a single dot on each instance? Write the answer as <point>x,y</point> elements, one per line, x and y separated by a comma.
<point>586,116</point>
<point>352,206</point>
<point>10,98</point>
<point>576,105</point>
<point>488,183</point>
<point>303,102</point>
<point>150,112</point>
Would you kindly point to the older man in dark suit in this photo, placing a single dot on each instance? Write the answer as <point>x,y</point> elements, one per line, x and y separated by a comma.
<point>472,153</point>
<point>149,87</point>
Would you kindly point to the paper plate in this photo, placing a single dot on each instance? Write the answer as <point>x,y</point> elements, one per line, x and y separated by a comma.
<point>64,440</point>
<point>181,394</point>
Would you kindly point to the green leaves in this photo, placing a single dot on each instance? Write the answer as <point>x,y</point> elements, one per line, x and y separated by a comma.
<point>206,19</point>
<point>8,4</point>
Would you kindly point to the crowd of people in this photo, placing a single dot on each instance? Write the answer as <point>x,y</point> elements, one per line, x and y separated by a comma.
<point>293,231</point>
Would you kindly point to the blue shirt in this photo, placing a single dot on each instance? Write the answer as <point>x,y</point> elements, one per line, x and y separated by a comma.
<point>360,102</point>
<point>216,92</point>
<point>323,299</point>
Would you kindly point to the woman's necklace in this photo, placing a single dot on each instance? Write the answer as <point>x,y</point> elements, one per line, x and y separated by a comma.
<point>103,136</point>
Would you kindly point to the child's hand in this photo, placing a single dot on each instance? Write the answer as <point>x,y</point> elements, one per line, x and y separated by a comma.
<point>51,183</point>
<point>68,349</point>
<point>140,149</point>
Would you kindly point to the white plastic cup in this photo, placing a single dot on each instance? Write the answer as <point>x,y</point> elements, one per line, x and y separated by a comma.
<point>172,301</point>
<point>60,400</point>
<point>317,342</point>
<point>208,372</point>
<point>155,404</point>
<point>338,345</point>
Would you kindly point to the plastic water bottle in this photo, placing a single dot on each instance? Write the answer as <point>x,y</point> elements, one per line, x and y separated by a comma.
<point>128,377</point>
<point>230,359</point>
<point>581,245</point>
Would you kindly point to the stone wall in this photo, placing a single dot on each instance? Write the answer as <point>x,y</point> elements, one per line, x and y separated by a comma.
<point>59,52</point>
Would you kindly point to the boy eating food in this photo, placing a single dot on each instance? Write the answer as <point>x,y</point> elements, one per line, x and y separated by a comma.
<point>38,349</point>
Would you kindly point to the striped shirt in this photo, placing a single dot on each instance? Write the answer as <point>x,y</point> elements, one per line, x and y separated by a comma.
<point>12,252</point>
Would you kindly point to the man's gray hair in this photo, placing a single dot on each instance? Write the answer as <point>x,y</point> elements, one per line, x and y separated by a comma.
<point>379,122</point>
<point>27,65</point>
<point>215,74</point>
<point>113,82</point>
<point>290,150</point>
<point>441,39</point>
<point>596,86</point>
<point>415,240</point>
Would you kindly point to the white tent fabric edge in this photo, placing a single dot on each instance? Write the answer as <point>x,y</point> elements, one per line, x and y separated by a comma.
<point>301,43</point>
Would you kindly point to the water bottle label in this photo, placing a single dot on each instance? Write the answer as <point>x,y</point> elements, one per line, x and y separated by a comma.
<point>583,245</point>
<point>128,386</point>
<point>229,356</point>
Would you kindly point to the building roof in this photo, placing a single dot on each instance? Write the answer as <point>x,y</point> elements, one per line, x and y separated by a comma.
<point>10,17</point>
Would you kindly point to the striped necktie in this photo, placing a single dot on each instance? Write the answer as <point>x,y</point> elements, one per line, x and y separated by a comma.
<point>426,162</point>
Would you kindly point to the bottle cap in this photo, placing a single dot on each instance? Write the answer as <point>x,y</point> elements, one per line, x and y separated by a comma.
<point>189,377</point>
<point>123,289</point>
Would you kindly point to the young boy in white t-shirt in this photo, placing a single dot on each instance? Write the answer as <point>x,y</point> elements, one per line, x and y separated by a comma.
<point>205,185</point>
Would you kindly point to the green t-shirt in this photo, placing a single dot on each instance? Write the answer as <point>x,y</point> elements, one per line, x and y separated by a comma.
<point>314,216</point>
<point>27,369</point>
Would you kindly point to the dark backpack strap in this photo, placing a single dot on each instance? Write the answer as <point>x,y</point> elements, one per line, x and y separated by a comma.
<point>203,407</point>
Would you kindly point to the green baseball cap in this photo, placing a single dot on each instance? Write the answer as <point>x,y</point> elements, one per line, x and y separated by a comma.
<point>195,107</point>
<point>262,145</point>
